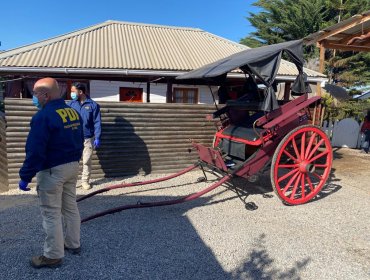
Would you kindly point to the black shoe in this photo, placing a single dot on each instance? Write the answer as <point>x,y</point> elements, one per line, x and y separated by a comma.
<point>73,251</point>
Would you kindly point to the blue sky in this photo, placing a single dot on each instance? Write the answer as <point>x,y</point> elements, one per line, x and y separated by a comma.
<point>23,22</point>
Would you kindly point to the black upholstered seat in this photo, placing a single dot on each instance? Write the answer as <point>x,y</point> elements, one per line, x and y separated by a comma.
<point>242,132</point>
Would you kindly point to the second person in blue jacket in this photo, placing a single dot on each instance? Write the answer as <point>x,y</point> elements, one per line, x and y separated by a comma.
<point>89,111</point>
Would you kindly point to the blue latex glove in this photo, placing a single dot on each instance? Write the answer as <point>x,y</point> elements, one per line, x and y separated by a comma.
<point>23,186</point>
<point>96,143</point>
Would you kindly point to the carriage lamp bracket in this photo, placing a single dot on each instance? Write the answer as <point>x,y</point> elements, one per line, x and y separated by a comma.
<point>254,129</point>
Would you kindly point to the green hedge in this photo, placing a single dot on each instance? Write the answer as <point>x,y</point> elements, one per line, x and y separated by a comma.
<point>349,109</point>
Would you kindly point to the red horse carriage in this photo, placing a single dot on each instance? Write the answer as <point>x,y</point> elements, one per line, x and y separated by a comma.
<point>257,131</point>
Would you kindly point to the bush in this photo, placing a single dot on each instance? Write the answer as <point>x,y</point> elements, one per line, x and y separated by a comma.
<point>349,109</point>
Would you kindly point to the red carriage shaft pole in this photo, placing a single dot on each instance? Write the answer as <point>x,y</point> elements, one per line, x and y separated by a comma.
<point>160,203</point>
<point>118,186</point>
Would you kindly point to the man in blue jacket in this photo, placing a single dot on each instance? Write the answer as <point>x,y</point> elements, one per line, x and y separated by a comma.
<point>89,111</point>
<point>53,149</point>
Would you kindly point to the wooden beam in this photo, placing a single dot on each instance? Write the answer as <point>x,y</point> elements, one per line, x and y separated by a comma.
<point>358,20</point>
<point>346,47</point>
<point>348,37</point>
<point>342,35</point>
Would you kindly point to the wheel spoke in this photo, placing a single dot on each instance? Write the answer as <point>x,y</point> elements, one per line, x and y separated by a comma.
<point>290,156</point>
<point>312,138</point>
<point>315,148</point>
<point>303,184</point>
<point>317,176</point>
<point>287,175</point>
<point>287,165</point>
<point>296,149</point>
<point>295,186</point>
<point>303,143</point>
<point>318,156</point>
<point>290,182</point>
<point>310,183</point>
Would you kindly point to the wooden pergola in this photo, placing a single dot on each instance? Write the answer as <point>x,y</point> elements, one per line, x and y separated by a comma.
<point>352,34</point>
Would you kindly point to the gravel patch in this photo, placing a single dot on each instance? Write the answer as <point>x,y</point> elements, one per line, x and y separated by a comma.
<point>213,237</point>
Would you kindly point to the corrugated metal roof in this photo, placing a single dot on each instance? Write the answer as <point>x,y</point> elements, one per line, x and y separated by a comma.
<point>126,45</point>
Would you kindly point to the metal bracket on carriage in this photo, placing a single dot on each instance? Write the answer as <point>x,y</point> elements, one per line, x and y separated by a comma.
<point>192,148</point>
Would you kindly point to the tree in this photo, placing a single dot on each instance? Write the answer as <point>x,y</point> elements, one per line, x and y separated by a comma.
<point>338,10</point>
<point>285,20</point>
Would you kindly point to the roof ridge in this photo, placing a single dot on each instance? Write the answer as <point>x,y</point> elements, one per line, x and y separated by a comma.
<point>154,25</point>
<point>78,32</point>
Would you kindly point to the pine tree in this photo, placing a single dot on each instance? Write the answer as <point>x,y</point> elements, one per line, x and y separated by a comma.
<point>285,20</point>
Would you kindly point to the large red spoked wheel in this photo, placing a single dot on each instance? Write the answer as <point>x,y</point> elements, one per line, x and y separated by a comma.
<point>301,164</point>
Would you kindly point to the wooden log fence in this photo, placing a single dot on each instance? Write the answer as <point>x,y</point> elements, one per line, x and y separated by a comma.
<point>136,138</point>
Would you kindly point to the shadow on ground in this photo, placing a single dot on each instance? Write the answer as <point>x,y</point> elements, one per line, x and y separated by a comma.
<point>245,189</point>
<point>148,243</point>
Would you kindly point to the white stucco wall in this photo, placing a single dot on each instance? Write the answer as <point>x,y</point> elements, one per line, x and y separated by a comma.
<point>109,91</point>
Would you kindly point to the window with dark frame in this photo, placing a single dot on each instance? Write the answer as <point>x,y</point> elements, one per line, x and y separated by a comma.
<point>128,94</point>
<point>185,95</point>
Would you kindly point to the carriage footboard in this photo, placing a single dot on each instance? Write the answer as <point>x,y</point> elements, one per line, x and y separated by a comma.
<point>210,155</point>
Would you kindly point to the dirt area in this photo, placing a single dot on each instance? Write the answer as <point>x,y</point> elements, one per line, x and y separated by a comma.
<point>219,236</point>
<point>349,166</point>
<point>352,167</point>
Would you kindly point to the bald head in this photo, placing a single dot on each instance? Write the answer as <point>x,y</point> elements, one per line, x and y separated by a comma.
<point>48,87</point>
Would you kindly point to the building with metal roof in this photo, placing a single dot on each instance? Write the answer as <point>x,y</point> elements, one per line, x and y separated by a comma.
<point>118,58</point>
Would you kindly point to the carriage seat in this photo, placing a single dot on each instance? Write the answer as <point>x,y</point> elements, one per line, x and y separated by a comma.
<point>242,132</point>
<point>238,141</point>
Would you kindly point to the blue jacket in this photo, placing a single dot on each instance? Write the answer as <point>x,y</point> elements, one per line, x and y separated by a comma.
<point>89,111</point>
<point>55,138</point>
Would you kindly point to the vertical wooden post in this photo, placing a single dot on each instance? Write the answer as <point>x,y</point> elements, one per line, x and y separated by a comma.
<point>322,59</point>
<point>68,94</point>
<point>169,95</point>
<point>148,92</point>
<point>287,91</point>
<point>318,89</point>
<point>22,93</point>
<point>317,111</point>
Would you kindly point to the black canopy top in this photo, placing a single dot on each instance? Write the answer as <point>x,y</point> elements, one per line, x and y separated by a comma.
<point>263,62</point>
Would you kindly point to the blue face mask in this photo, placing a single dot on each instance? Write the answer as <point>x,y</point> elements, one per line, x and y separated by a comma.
<point>74,95</point>
<point>36,102</point>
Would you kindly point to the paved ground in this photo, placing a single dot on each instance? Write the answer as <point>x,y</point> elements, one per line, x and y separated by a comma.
<point>214,237</point>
